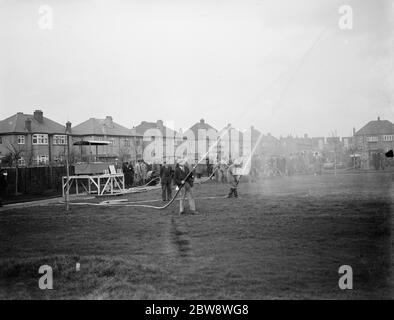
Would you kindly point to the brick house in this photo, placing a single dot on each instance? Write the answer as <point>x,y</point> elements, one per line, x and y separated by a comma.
<point>268,145</point>
<point>159,141</point>
<point>124,144</point>
<point>203,137</point>
<point>372,140</point>
<point>36,139</point>
<point>231,143</point>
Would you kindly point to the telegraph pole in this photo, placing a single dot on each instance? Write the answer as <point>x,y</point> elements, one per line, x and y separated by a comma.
<point>67,173</point>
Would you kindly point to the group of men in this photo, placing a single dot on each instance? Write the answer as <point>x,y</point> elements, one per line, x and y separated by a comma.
<point>135,175</point>
<point>141,172</point>
<point>183,178</point>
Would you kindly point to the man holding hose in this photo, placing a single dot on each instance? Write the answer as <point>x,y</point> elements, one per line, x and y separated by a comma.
<point>184,180</point>
<point>233,177</point>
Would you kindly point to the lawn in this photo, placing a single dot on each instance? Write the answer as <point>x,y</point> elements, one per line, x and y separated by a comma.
<point>283,238</point>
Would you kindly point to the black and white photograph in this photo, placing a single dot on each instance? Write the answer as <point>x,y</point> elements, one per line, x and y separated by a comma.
<point>213,151</point>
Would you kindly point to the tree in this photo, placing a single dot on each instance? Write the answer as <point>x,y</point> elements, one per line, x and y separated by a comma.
<point>124,154</point>
<point>15,152</point>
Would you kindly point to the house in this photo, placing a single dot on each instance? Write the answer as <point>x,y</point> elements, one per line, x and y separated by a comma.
<point>34,139</point>
<point>159,141</point>
<point>124,144</point>
<point>296,145</point>
<point>231,143</point>
<point>201,139</point>
<point>318,144</point>
<point>373,139</point>
<point>268,144</point>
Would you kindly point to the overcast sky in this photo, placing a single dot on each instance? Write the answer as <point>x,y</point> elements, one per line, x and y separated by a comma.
<point>283,66</point>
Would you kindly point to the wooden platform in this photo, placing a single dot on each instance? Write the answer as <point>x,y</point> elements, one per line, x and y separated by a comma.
<point>102,184</point>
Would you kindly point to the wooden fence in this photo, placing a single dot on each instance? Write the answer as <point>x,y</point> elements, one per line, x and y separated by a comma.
<point>37,180</point>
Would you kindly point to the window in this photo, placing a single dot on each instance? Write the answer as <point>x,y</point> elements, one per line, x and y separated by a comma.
<point>42,159</point>
<point>111,142</point>
<point>21,162</point>
<point>126,142</point>
<point>388,137</point>
<point>40,139</point>
<point>60,139</point>
<point>1,140</point>
<point>372,139</point>
<point>58,159</point>
<point>21,139</point>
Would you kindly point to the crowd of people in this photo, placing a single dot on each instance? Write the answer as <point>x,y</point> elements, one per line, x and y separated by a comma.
<point>139,174</point>
<point>295,163</point>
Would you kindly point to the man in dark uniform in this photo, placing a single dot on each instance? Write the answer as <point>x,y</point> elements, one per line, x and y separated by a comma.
<point>130,171</point>
<point>165,179</point>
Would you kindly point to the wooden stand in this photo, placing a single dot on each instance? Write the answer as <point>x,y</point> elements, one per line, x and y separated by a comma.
<point>102,184</point>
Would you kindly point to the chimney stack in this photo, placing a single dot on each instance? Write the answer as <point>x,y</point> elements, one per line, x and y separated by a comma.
<point>202,121</point>
<point>159,123</point>
<point>68,127</point>
<point>108,122</point>
<point>28,125</point>
<point>378,118</point>
<point>39,116</point>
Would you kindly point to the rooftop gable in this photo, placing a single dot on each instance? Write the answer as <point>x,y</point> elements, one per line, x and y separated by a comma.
<point>144,126</point>
<point>377,127</point>
<point>17,124</point>
<point>201,125</point>
<point>99,127</point>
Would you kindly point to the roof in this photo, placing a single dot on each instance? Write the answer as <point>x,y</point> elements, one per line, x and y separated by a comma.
<point>16,124</point>
<point>266,138</point>
<point>201,125</point>
<point>377,127</point>
<point>105,126</point>
<point>145,125</point>
<point>229,128</point>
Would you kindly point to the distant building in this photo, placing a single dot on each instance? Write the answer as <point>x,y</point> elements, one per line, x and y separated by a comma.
<point>318,144</point>
<point>36,139</point>
<point>295,145</point>
<point>159,141</point>
<point>231,143</point>
<point>201,138</point>
<point>268,145</point>
<point>375,138</point>
<point>124,144</point>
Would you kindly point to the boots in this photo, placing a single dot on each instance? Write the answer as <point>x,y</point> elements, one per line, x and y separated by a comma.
<point>232,191</point>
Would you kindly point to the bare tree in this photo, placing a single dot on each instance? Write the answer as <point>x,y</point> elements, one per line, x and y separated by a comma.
<point>124,154</point>
<point>15,152</point>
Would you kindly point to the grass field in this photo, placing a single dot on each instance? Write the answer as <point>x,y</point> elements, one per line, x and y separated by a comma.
<point>283,238</point>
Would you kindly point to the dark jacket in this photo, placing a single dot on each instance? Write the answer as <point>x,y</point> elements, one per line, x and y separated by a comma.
<point>165,174</point>
<point>180,175</point>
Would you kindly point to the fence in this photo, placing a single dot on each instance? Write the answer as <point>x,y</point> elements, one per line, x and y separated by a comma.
<point>37,180</point>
